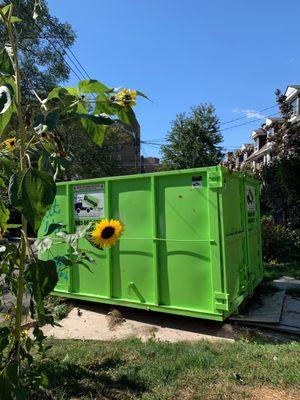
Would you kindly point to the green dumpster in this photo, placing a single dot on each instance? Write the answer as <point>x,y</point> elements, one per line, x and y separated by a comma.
<point>191,245</point>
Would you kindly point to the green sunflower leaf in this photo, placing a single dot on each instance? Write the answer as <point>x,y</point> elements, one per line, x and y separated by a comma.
<point>6,66</point>
<point>95,126</point>
<point>43,277</point>
<point>92,86</point>
<point>4,216</point>
<point>32,192</point>
<point>127,116</point>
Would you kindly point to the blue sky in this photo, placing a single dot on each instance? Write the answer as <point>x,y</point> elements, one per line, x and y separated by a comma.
<point>233,54</point>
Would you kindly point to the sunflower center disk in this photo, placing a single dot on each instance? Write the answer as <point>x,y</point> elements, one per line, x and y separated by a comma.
<point>107,232</point>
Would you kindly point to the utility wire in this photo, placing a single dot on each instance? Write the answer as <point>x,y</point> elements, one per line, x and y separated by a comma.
<point>165,139</point>
<point>64,53</point>
<point>70,50</point>
<point>54,47</point>
<point>85,74</point>
<point>247,116</point>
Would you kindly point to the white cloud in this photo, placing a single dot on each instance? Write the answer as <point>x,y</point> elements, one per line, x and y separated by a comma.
<point>249,113</point>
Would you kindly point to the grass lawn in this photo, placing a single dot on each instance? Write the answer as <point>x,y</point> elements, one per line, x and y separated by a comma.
<point>276,271</point>
<point>158,370</point>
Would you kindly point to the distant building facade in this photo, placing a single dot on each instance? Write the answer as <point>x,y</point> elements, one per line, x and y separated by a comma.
<point>149,164</point>
<point>260,152</point>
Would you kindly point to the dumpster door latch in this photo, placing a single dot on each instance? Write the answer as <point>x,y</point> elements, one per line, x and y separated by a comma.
<point>222,301</point>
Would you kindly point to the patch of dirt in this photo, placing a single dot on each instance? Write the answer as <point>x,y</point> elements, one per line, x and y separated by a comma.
<point>114,319</point>
<point>228,391</point>
<point>267,393</point>
<point>147,331</point>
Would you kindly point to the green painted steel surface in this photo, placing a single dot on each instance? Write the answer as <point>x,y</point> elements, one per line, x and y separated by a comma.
<point>191,245</point>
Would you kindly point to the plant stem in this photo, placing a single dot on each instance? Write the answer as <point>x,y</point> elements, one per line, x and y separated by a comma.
<point>22,135</point>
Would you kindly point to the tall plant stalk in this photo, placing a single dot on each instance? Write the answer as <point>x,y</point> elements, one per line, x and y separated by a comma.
<point>22,134</point>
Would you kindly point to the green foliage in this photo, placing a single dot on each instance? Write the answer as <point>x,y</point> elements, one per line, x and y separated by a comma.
<point>42,278</point>
<point>60,311</point>
<point>280,243</point>
<point>32,193</point>
<point>194,140</point>
<point>280,195</point>
<point>91,161</point>
<point>92,86</point>
<point>40,62</point>
<point>37,144</point>
<point>281,183</point>
<point>95,128</point>
<point>6,66</point>
<point>4,216</point>
<point>275,271</point>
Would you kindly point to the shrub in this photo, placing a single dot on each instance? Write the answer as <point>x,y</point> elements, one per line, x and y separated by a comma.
<point>61,311</point>
<point>280,243</point>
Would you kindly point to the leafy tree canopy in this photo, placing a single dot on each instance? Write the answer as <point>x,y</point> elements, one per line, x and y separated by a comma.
<point>42,62</point>
<point>281,183</point>
<point>194,140</point>
<point>92,161</point>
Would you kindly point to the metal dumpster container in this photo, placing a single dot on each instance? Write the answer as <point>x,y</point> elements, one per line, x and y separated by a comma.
<point>191,245</point>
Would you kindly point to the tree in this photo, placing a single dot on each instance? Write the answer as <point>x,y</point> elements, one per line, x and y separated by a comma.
<point>280,179</point>
<point>194,140</point>
<point>41,44</point>
<point>92,161</point>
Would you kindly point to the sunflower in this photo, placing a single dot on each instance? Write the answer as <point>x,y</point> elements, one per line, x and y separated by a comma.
<point>107,232</point>
<point>10,143</point>
<point>126,97</point>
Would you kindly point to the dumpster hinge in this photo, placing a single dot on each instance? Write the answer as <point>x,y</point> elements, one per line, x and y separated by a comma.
<point>215,179</point>
<point>222,301</point>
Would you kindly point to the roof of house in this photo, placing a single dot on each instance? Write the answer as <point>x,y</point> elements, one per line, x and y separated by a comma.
<point>258,132</point>
<point>291,90</point>
<point>275,119</point>
<point>260,152</point>
<point>272,120</point>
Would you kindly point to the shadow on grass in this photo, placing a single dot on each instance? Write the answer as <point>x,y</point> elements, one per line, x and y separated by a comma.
<point>96,380</point>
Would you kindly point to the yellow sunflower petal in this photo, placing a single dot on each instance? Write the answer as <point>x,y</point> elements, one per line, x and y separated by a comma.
<point>10,143</point>
<point>107,232</point>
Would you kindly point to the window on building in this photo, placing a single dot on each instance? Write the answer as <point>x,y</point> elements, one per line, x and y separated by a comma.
<point>294,105</point>
<point>270,132</point>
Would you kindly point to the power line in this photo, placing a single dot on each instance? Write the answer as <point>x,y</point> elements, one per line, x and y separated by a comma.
<point>55,48</point>
<point>247,116</point>
<point>70,50</point>
<point>165,139</point>
<point>87,75</point>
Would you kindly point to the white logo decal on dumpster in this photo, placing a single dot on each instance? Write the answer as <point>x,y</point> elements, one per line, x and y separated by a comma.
<point>250,198</point>
<point>88,202</point>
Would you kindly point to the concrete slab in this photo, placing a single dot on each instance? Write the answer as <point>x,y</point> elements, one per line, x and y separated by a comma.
<point>286,282</point>
<point>99,322</point>
<point>266,309</point>
<point>291,312</point>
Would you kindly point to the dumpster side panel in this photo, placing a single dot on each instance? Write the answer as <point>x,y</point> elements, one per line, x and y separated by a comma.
<point>184,263</point>
<point>241,232</point>
<point>92,278</point>
<point>133,275</point>
<point>252,216</point>
<point>234,238</point>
